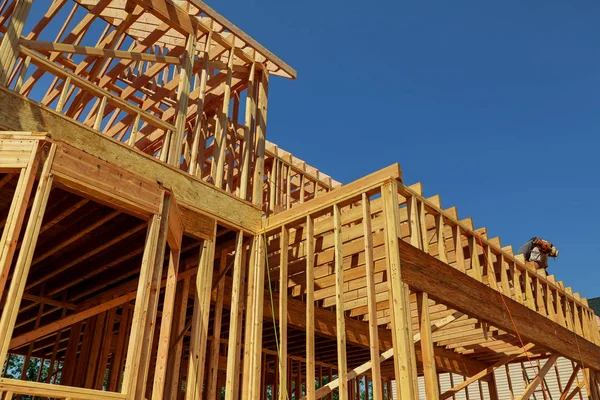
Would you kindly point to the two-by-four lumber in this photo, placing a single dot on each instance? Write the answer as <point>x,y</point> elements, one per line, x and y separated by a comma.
<point>539,378</point>
<point>260,137</point>
<point>16,214</point>
<point>284,241</point>
<point>310,307</point>
<point>567,388</point>
<point>183,96</point>
<point>174,238</point>
<point>23,263</point>
<point>235,324</point>
<point>429,370</point>
<point>144,315</point>
<point>339,304</point>
<point>404,353</point>
<point>255,309</point>
<point>371,299</point>
<point>198,340</point>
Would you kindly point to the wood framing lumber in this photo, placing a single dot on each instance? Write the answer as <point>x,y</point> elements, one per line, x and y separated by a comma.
<point>310,307</point>
<point>183,98</point>
<point>10,41</point>
<point>569,384</point>
<point>200,316</point>
<point>96,51</point>
<point>94,89</point>
<point>347,193</point>
<point>16,214</point>
<point>429,370</point>
<point>283,312</point>
<point>55,391</point>
<point>166,321</point>
<point>23,263</point>
<point>539,378</point>
<point>260,137</point>
<point>503,361</point>
<point>405,367</point>
<point>52,327</point>
<point>339,305</point>
<point>290,72</point>
<point>20,113</point>
<point>371,299</point>
<point>144,314</point>
<point>426,273</point>
<point>386,355</point>
<point>235,325</point>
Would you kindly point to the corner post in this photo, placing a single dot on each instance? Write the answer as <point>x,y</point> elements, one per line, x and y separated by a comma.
<point>146,305</point>
<point>404,352</point>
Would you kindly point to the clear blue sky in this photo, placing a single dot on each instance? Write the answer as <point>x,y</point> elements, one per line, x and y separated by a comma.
<point>494,106</point>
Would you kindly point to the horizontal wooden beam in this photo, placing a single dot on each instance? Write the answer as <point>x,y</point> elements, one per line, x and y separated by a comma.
<point>96,51</point>
<point>458,290</point>
<point>37,389</point>
<point>351,192</point>
<point>21,114</point>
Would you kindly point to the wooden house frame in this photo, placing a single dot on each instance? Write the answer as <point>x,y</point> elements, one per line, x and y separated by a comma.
<point>155,244</point>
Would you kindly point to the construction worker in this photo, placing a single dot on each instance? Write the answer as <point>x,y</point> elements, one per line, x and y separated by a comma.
<point>537,250</point>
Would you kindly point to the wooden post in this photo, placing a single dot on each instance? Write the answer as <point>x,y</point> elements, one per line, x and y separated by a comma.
<point>9,48</point>
<point>310,308</point>
<point>492,388</point>
<point>197,159</point>
<point>257,318</point>
<point>284,242</point>
<point>166,323</point>
<point>220,143</point>
<point>183,98</point>
<point>248,337</point>
<point>144,314</point>
<point>404,354</point>
<point>215,345</point>
<point>23,264</point>
<point>172,387</point>
<point>250,115</point>
<point>429,371</point>
<point>339,304</point>
<point>118,356</point>
<point>199,336</point>
<point>235,324</point>
<point>16,214</point>
<point>371,299</point>
<point>261,133</point>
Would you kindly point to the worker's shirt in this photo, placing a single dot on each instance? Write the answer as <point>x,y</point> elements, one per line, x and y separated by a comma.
<point>533,253</point>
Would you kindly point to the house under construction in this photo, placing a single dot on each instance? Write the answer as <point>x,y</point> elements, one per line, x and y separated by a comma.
<point>155,244</point>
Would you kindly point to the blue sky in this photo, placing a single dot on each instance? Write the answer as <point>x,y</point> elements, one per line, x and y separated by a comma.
<point>494,106</point>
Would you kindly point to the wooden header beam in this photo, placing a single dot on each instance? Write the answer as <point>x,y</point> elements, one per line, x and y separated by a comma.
<point>458,290</point>
<point>21,114</point>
